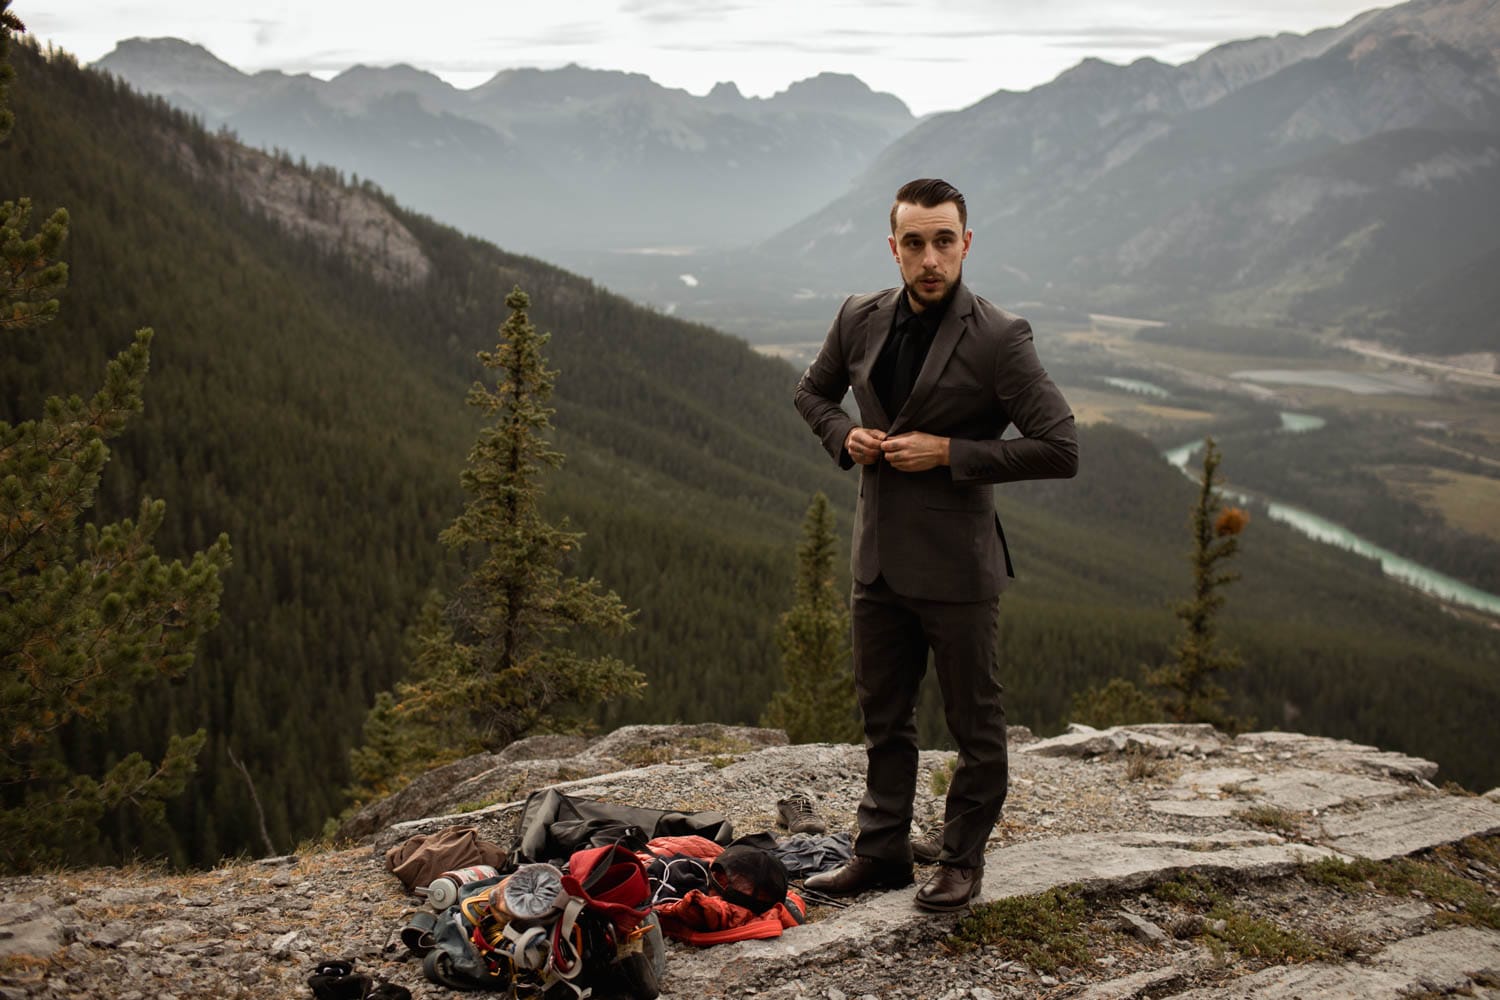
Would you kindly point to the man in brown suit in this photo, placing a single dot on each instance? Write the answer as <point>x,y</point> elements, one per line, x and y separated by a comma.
<point>938,375</point>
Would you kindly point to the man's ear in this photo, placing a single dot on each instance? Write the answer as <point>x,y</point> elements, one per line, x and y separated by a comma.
<point>892,241</point>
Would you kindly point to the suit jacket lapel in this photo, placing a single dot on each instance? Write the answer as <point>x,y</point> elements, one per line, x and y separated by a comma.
<point>949,333</point>
<point>875,332</point>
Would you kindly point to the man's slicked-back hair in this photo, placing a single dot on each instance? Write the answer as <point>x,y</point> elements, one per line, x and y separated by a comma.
<point>930,192</point>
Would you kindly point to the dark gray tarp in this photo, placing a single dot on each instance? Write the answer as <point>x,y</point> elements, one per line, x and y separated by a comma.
<point>554,825</point>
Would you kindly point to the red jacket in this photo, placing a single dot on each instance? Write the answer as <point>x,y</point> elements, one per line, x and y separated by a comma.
<point>699,918</point>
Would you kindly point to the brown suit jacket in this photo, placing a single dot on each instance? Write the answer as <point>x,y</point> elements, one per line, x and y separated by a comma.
<point>935,535</point>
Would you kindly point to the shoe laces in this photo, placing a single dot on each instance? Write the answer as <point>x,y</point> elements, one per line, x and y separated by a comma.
<point>797,805</point>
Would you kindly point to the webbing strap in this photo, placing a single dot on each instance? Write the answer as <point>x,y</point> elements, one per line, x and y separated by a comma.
<point>566,936</point>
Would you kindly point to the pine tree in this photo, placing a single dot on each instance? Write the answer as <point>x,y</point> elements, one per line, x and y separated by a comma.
<point>496,664</point>
<point>88,613</point>
<point>399,740</point>
<point>817,702</point>
<point>1192,691</point>
<point>1119,702</point>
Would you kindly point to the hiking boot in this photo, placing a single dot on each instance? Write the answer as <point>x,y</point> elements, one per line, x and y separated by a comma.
<point>861,875</point>
<point>795,812</point>
<point>925,850</point>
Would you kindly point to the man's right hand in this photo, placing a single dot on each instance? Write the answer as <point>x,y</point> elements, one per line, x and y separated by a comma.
<point>863,445</point>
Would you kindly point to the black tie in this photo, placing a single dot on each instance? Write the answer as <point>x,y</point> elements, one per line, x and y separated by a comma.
<point>911,351</point>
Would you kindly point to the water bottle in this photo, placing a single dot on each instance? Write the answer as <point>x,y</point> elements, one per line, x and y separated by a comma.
<point>443,890</point>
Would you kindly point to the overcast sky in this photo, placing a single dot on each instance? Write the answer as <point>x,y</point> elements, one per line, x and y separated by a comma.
<point>936,56</point>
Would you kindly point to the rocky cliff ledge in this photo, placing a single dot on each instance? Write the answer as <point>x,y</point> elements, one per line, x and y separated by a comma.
<point>1177,862</point>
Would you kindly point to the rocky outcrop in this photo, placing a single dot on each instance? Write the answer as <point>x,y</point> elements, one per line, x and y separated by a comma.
<point>1115,817</point>
<point>540,761</point>
<point>340,219</point>
<point>349,221</point>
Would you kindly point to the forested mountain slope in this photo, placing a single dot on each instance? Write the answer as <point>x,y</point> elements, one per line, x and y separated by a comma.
<point>314,411</point>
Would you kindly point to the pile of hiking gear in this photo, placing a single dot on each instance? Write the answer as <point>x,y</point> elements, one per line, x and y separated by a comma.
<point>579,906</point>
<point>542,932</point>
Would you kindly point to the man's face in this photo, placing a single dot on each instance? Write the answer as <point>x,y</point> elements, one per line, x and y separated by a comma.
<point>930,245</point>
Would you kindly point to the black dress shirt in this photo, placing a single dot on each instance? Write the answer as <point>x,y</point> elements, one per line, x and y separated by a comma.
<point>905,350</point>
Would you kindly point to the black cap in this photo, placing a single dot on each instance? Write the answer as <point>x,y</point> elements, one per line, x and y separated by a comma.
<point>748,877</point>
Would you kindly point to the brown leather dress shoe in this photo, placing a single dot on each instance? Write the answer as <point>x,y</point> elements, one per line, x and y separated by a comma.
<point>861,875</point>
<point>950,888</point>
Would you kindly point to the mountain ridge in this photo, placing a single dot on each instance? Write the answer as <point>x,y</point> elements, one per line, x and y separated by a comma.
<point>1068,181</point>
<point>628,154</point>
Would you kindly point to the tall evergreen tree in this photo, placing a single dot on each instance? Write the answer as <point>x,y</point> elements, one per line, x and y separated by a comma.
<point>1190,681</point>
<point>88,613</point>
<point>816,703</point>
<point>496,664</point>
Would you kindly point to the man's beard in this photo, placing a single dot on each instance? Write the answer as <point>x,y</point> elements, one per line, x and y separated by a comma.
<point>913,294</point>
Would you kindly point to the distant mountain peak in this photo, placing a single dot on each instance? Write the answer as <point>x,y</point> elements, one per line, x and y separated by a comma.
<point>567,83</point>
<point>828,85</point>
<point>166,55</point>
<point>725,92</point>
<point>399,70</point>
<point>1089,70</point>
<point>166,44</point>
<point>842,92</point>
<point>361,83</point>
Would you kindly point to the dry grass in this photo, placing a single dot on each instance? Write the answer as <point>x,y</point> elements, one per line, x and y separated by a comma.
<point>25,969</point>
<point>1274,818</point>
<point>1140,765</point>
<point>1178,414</point>
<point>1465,501</point>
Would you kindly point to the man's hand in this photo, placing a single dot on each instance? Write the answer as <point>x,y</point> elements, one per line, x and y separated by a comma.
<point>915,451</point>
<point>863,445</point>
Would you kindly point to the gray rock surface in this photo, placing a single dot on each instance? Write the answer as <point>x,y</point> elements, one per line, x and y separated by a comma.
<point>1143,928</point>
<point>1410,826</point>
<point>1155,739</point>
<point>1091,824</point>
<point>1425,965</point>
<point>1115,861</point>
<point>542,761</point>
<point>1138,984</point>
<point>31,930</point>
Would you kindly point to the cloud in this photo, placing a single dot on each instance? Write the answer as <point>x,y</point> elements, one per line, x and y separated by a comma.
<point>779,43</point>
<point>1132,39</point>
<point>671,12</point>
<point>266,32</point>
<point>561,35</point>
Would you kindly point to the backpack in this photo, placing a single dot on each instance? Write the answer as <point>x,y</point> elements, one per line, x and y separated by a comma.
<point>600,935</point>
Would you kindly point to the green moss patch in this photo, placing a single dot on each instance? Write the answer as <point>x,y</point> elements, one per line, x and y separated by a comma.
<point>1257,937</point>
<point>1045,930</point>
<point>1226,928</point>
<point>1456,900</point>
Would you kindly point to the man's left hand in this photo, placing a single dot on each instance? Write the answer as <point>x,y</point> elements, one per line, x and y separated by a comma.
<point>915,451</point>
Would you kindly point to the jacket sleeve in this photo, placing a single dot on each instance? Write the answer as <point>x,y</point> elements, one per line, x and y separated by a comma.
<point>1048,446</point>
<point>820,393</point>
